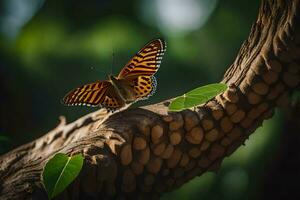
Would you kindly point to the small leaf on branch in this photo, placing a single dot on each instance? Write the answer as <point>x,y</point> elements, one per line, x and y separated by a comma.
<point>60,171</point>
<point>197,96</point>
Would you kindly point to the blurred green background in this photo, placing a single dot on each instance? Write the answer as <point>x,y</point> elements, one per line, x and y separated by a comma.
<point>50,47</point>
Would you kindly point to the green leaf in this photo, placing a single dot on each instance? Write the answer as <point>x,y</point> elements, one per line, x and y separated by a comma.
<point>197,96</point>
<point>177,104</point>
<point>60,171</point>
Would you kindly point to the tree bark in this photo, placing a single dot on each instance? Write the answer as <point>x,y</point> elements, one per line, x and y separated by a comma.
<point>144,152</point>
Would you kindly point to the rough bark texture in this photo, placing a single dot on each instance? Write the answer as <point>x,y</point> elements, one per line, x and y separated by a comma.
<point>144,152</point>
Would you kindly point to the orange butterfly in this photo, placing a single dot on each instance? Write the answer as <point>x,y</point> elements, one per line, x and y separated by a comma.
<point>134,82</point>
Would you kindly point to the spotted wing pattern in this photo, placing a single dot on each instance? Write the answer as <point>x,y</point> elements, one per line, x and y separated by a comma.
<point>146,61</point>
<point>112,101</point>
<point>144,87</point>
<point>100,94</point>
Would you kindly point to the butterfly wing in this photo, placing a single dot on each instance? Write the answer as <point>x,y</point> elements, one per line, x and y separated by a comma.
<point>146,62</point>
<point>100,94</point>
<point>112,100</point>
<point>140,69</point>
<point>144,86</point>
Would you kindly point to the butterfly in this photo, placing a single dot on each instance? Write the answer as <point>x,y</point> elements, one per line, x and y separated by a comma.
<point>135,82</point>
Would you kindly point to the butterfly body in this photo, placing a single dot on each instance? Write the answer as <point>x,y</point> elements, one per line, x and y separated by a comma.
<point>135,82</point>
<point>124,88</point>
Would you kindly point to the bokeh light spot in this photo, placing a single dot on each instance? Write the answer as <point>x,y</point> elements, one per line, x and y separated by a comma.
<point>177,17</point>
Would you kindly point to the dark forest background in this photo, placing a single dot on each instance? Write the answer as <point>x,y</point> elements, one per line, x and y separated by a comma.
<point>50,47</point>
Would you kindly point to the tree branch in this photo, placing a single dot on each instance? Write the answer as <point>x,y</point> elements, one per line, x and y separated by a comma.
<point>147,151</point>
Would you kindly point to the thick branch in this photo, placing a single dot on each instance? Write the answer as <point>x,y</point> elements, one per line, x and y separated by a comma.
<point>147,151</point>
